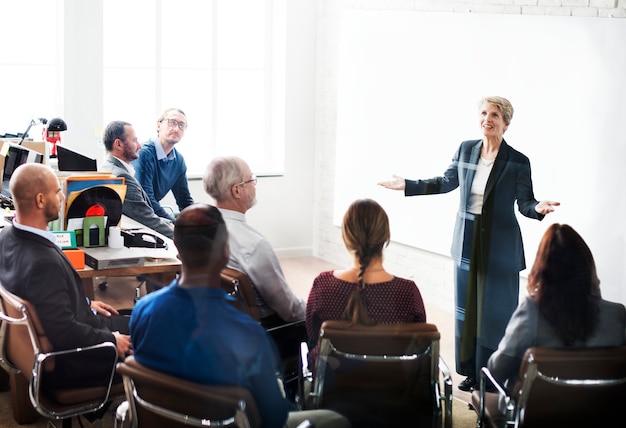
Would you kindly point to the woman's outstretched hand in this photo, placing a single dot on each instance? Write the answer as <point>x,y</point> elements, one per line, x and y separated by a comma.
<point>397,183</point>
<point>546,207</point>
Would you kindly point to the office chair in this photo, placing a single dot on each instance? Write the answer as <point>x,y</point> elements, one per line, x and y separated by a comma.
<point>286,335</point>
<point>558,387</point>
<point>155,399</point>
<point>26,353</point>
<point>238,285</point>
<point>382,375</point>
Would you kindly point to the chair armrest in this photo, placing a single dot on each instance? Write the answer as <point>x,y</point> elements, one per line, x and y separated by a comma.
<point>35,384</point>
<point>121,413</point>
<point>305,378</point>
<point>304,361</point>
<point>447,392</point>
<point>486,375</point>
<point>104,346</point>
<point>447,376</point>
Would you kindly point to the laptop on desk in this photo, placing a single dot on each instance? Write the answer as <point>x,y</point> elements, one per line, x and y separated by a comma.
<point>14,156</point>
<point>70,160</point>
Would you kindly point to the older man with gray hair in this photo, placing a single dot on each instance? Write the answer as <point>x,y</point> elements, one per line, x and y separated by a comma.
<point>233,186</point>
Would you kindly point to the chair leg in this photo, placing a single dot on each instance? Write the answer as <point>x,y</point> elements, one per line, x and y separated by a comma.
<point>23,410</point>
<point>4,380</point>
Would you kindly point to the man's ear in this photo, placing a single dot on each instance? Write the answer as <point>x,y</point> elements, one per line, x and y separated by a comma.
<point>236,191</point>
<point>40,200</point>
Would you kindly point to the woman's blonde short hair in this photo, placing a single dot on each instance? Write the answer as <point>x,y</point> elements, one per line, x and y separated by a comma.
<point>504,105</point>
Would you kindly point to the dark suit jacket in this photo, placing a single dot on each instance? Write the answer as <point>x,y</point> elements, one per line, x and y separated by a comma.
<point>36,270</point>
<point>509,181</point>
<point>136,203</point>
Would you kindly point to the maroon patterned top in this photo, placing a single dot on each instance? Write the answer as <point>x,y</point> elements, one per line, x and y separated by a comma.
<point>395,301</point>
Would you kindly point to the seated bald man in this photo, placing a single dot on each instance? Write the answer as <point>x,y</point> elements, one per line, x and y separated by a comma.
<point>208,340</point>
<point>34,268</point>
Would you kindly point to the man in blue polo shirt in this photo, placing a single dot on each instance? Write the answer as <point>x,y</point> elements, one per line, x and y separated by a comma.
<point>208,340</point>
<point>161,168</point>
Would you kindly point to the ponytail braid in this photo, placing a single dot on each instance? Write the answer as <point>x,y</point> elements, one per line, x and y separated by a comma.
<point>355,310</point>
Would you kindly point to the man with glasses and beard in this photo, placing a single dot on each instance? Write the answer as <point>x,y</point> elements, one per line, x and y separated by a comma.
<point>161,168</point>
<point>120,142</point>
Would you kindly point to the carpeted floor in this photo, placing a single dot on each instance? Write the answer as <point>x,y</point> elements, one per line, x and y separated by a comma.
<point>300,272</point>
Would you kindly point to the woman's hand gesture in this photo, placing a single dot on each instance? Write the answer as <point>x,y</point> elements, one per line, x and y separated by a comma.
<point>546,207</point>
<point>397,183</point>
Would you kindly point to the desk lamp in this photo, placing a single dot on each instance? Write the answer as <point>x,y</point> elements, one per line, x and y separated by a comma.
<point>52,134</point>
<point>32,122</point>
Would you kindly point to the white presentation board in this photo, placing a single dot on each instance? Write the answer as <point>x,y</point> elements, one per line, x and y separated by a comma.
<point>408,86</point>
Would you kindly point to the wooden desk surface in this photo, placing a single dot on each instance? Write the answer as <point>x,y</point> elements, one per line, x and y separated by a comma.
<point>163,270</point>
<point>150,266</point>
<point>160,263</point>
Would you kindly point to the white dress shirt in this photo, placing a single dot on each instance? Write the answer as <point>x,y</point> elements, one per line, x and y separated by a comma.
<point>253,255</point>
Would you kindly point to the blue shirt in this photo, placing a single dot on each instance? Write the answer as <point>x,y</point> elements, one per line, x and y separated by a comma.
<point>196,334</point>
<point>159,173</point>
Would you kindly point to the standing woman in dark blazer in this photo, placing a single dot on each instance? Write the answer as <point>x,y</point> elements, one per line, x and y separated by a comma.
<point>487,242</point>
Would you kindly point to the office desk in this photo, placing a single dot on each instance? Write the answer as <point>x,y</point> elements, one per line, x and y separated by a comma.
<point>161,264</point>
<point>163,270</point>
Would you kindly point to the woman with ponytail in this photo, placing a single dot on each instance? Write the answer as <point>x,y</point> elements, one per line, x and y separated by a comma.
<point>364,293</point>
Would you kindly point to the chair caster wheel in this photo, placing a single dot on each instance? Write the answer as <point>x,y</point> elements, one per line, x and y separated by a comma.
<point>102,286</point>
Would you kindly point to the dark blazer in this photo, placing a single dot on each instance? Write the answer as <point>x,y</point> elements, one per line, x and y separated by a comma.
<point>136,203</point>
<point>510,181</point>
<point>35,269</point>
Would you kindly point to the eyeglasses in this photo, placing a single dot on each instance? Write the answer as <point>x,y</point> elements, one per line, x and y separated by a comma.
<point>172,123</point>
<point>252,180</point>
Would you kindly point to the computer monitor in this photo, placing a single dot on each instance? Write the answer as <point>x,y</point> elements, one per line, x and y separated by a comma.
<point>15,156</point>
<point>69,160</point>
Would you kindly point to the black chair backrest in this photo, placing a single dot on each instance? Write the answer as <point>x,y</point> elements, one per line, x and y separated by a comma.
<point>382,375</point>
<point>572,387</point>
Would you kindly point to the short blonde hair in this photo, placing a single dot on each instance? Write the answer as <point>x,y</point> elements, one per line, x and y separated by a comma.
<point>504,105</point>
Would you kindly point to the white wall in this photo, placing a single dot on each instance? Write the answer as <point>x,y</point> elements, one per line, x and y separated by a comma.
<point>284,211</point>
<point>432,272</point>
<point>295,211</point>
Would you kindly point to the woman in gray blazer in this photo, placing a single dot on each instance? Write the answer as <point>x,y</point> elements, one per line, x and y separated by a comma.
<point>563,308</point>
<point>487,242</point>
